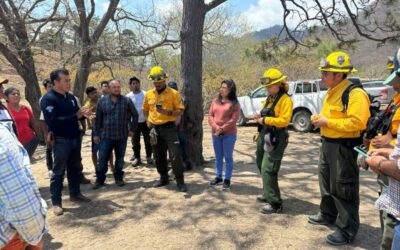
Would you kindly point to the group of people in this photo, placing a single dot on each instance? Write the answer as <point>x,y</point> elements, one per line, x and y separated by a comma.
<point>157,116</point>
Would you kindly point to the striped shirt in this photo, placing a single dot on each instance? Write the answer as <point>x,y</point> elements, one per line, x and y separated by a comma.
<point>114,119</point>
<point>22,210</point>
<point>389,201</point>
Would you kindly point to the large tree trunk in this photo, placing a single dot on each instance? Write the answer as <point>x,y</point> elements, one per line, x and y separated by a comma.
<point>82,75</point>
<point>192,56</point>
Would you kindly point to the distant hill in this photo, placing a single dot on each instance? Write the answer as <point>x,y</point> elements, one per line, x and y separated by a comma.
<point>271,32</point>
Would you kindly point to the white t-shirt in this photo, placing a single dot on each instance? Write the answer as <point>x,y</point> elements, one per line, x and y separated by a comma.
<point>137,100</point>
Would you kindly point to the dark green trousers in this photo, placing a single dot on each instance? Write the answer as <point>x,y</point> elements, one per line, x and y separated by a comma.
<point>388,231</point>
<point>268,164</point>
<point>339,186</point>
<point>167,139</point>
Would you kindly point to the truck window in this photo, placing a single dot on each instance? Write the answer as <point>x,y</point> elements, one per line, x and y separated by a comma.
<point>307,87</point>
<point>314,88</point>
<point>260,93</point>
<point>299,88</point>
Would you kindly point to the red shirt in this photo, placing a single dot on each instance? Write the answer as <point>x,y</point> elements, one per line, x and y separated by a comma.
<point>22,120</point>
<point>223,115</point>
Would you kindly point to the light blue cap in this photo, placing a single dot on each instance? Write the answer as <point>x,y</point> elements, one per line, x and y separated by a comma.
<point>393,78</point>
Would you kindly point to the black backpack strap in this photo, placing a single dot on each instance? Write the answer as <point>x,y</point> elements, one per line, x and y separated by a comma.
<point>346,93</point>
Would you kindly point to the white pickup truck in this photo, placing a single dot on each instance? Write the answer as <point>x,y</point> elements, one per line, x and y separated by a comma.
<point>307,97</point>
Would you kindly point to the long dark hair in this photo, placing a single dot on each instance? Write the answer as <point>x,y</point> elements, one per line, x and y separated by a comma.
<point>232,91</point>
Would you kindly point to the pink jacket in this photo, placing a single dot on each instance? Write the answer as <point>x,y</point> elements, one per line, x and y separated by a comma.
<point>223,115</point>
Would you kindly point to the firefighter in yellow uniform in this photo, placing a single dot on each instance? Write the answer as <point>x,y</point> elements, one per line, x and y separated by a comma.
<point>161,106</point>
<point>340,131</point>
<point>273,136</point>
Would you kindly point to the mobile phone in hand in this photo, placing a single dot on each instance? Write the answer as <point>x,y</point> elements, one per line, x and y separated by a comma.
<point>361,151</point>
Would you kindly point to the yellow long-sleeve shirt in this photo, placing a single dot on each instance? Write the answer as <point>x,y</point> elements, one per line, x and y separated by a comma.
<point>283,112</point>
<point>350,123</point>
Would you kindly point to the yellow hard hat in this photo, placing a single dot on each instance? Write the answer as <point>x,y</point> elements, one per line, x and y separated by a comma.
<point>390,64</point>
<point>338,61</point>
<point>157,74</point>
<point>272,76</point>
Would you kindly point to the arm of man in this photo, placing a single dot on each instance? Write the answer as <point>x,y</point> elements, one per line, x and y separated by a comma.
<point>98,120</point>
<point>133,121</point>
<point>381,165</point>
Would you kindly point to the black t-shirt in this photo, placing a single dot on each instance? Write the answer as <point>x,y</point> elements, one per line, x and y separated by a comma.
<point>60,114</point>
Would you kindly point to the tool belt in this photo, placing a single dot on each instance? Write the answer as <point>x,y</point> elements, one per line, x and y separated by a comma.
<point>165,125</point>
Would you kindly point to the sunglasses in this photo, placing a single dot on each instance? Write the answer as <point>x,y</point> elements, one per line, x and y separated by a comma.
<point>156,78</point>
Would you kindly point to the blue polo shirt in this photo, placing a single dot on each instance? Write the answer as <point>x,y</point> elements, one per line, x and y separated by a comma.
<point>60,114</point>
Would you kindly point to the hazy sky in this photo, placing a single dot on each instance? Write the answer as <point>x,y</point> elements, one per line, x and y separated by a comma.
<point>258,13</point>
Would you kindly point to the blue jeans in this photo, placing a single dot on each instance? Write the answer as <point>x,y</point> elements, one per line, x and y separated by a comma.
<point>396,238</point>
<point>105,149</point>
<point>67,157</point>
<point>223,149</point>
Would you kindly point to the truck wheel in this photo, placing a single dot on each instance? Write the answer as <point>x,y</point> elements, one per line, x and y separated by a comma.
<point>302,121</point>
<point>242,120</point>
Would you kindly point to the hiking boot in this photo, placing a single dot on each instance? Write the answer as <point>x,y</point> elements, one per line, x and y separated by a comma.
<point>215,182</point>
<point>318,219</point>
<point>226,185</point>
<point>149,161</point>
<point>79,198</point>
<point>261,199</point>
<point>181,186</point>
<point>57,210</point>
<point>268,209</point>
<point>337,239</point>
<point>120,183</point>
<point>97,185</point>
<point>161,183</point>
<point>136,162</point>
<point>84,180</point>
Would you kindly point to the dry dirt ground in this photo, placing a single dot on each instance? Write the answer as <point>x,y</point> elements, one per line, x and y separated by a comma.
<point>138,216</point>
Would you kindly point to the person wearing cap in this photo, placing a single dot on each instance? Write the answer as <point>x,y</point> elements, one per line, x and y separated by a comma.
<point>388,221</point>
<point>137,97</point>
<point>273,120</point>
<point>47,84</point>
<point>340,130</point>
<point>161,106</point>
<point>2,81</point>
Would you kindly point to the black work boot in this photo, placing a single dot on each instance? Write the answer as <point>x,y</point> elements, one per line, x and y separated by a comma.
<point>163,181</point>
<point>180,184</point>
<point>337,239</point>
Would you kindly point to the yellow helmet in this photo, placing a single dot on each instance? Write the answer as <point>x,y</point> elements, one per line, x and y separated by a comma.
<point>272,76</point>
<point>157,74</point>
<point>338,61</point>
<point>390,64</point>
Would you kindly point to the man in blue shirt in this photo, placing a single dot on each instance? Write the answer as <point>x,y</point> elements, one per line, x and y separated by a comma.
<point>116,119</point>
<point>61,113</point>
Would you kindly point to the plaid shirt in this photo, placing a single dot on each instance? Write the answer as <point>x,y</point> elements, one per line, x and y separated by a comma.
<point>114,120</point>
<point>389,201</point>
<point>22,210</point>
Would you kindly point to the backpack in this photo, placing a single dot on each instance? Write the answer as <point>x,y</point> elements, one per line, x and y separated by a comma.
<point>374,104</point>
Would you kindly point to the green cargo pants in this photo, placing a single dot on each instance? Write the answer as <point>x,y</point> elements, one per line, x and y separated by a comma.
<point>339,187</point>
<point>269,164</point>
<point>167,139</point>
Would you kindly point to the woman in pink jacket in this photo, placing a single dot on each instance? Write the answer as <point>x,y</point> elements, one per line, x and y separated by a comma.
<point>222,117</point>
